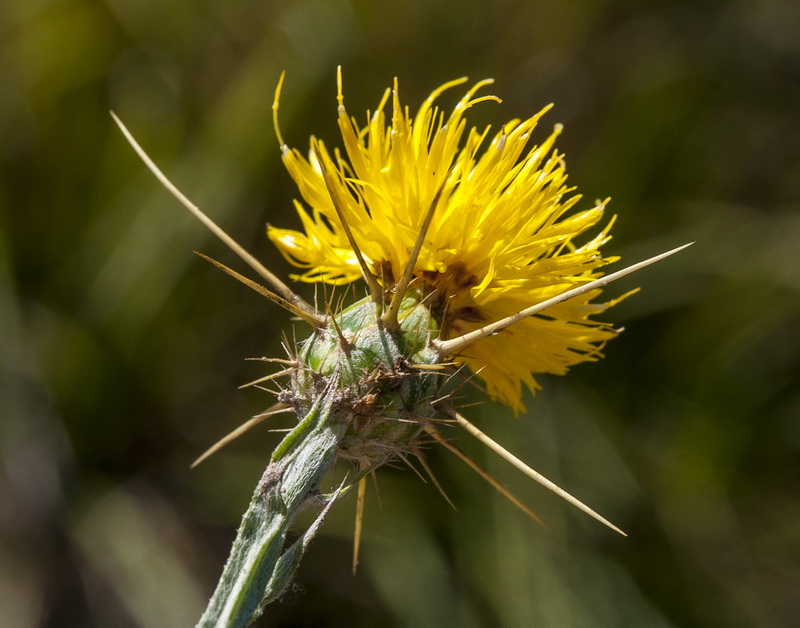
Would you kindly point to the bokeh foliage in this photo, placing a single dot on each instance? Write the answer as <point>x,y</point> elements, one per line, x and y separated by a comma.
<point>121,351</point>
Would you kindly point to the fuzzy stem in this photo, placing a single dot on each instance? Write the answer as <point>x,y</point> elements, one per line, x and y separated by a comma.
<point>259,569</point>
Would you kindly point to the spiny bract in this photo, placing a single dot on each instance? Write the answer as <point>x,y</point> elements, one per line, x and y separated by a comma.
<point>383,392</point>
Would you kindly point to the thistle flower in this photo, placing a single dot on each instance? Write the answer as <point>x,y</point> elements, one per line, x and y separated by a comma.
<point>462,250</point>
<point>502,235</point>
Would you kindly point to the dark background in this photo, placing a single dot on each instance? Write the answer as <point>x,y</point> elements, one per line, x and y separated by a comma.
<point>122,351</point>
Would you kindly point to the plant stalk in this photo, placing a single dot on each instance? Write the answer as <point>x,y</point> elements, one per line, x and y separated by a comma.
<point>259,568</point>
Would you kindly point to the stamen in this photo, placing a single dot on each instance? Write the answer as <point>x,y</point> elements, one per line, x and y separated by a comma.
<point>275,102</point>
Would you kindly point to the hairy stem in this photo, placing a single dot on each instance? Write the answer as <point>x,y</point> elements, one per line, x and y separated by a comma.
<point>259,568</point>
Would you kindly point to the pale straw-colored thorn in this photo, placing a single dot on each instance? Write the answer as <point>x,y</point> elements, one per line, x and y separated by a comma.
<point>285,343</point>
<point>340,300</point>
<point>441,399</point>
<point>421,420</point>
<point>457,372</point>
<point>423,302</point>
<point>429,471</point>
<point>244,427</point>
<point>282,288</point>
<point>362,492</point>
<point>442,367</point>
<point>292,363</point>
<point>377,488</point>
<point>290,348</point>
<point>402,455</point>
<point>486,476</point>
<point>325,298</point>
<point>472,404</point>
<point>531,473</point>
<point>398,419</point>
<point>374,288</point>
<point>344,343</point>
<point>470,379</point>
<point>266,378</point>
<point>456,345</point>
<point>286,305</point>
<point>390,315</point>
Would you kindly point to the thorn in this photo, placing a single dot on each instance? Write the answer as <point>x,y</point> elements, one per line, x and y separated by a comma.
<point>266,378</point>
<point>456,345</point>
<point>469,379</point>
<point>458,372</point>
<point>344,343</point>
<point>429,471</point>
<point>281,287</point>
<point>535,475</point>
<point>362,492</point>
<point>390,316</point>
<point>311,320</point>
<point>292,363</point>
<point>486,476</point>
<point>244,427</point>
<point>473,404</point>
<point>374,288</point>
<point>377,489</point>
<point>422,366</point>
<point>405,459</point>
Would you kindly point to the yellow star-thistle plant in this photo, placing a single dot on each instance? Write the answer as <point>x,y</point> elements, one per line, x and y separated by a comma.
<point>473,255</point>
<point>502,237</point>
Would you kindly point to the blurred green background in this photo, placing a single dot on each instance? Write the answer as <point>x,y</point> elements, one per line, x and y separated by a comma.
<point>122,351</point>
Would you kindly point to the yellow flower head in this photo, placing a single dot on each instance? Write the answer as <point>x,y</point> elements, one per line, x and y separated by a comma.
<point>502,236</point>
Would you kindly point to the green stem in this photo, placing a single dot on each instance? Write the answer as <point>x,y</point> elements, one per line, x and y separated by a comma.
<point>259,569</point>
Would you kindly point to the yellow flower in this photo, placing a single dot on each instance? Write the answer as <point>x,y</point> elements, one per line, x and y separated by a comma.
<point>503,235</point>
